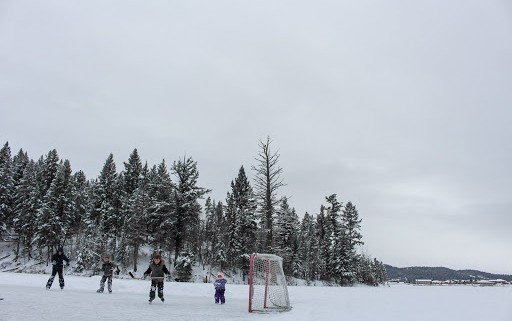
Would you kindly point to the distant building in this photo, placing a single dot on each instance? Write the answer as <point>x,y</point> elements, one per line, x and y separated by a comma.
<point>424,282</point>
<point>491,282</point>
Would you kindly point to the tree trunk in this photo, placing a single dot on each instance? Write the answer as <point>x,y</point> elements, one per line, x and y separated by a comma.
<point>135,257</point>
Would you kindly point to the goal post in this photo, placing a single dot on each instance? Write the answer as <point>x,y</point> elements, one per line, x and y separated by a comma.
<point>267,284</point>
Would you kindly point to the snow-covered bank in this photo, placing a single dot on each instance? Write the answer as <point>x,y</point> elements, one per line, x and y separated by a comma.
<point>25,298</point>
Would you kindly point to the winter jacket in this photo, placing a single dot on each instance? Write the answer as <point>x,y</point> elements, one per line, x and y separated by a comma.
<point>58,260</point>
<point>108,268</point>
<point>157,270</point>
<point>220,284</point>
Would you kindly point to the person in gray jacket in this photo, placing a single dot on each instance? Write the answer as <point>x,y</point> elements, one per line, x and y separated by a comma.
<point>108,268</point>
<point>156,270</point>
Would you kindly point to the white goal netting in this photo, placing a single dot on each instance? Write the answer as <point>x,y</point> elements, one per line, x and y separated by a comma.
<point>267,284</point>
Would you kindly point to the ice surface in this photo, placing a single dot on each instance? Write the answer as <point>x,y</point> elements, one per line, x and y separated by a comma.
<point>25,298</point>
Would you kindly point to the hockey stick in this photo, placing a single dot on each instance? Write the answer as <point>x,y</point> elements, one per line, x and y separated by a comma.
<point>134,276</point>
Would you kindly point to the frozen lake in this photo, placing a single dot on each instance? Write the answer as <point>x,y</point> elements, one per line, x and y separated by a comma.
<point>25,298</point>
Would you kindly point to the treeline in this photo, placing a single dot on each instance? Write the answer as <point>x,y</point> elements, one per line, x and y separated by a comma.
<point>44,205</point>
<point>413,273</point>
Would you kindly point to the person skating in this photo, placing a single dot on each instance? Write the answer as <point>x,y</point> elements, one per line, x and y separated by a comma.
<point>108,268</point>
<point>220,288</point>
<point>156,270</point>
<point>58,265</point>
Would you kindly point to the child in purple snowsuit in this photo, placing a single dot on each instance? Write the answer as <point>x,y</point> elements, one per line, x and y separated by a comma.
<point>220,288</point>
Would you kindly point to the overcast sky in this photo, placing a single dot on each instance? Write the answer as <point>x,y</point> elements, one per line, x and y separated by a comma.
<point>402,107</point>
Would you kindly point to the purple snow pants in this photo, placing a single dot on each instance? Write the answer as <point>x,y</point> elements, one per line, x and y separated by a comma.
<point>219,296</point>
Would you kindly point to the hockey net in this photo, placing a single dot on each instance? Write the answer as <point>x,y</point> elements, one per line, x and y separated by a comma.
<point>267,284</point>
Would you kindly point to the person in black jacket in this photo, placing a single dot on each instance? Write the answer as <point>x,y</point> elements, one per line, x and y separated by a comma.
<point>157,269</point>
<point>58,264</point>
<point>108,268</point>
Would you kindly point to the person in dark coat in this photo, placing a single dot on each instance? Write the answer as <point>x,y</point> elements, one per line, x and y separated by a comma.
<point>220,288</point>
<point>108,268</point>
<point>156,270</point>
<point>58,265</point>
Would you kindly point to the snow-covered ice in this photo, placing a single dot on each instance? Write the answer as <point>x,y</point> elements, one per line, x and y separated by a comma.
<point>25,298</point>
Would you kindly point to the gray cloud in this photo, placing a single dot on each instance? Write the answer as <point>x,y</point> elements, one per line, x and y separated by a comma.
<point>402,108</point>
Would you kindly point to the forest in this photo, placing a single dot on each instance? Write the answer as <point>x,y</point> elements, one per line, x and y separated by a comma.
<point>44,204</point>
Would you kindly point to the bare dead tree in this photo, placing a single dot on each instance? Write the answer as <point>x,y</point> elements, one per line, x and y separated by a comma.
<point>267,182</point>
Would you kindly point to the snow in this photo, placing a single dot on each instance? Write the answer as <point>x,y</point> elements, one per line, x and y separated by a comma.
<point>25,298</point>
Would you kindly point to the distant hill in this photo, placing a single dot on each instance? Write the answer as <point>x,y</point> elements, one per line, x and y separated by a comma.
<point>439,273</point>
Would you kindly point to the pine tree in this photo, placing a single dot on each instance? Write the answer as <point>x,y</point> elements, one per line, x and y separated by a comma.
<point>6,189</point>
<point>233,236</point>
<point>268,181</point>
<point>20,162</point>
<point>335,255</point>
<point>160,217</point>
<point>308,251</point>
<point>80,200</point>
<point>133,171</point>
<point>364,270</point>
<point>49,170</point>
<point>220,237</point>
<point>285,236</point>
<point>352,224</point>
<point>322,245</point>
<point>183,266</point>
<point>107,204</point>
<point>241,222</point>
<point>46,200</point>
<point>137,214</point>
<point>245,203</point>
<point>352,237</point>
<point>127,241</point>
<point>187,208</point>
<point>26,204</point>
<point>379,272</point>
<point>55,218</point>
<point>208,230</point>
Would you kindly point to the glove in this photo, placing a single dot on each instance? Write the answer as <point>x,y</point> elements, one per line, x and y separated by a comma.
<point>67,264</point>
<point>117,272</point>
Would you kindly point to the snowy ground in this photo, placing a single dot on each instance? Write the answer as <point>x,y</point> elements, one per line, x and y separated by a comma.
<point>25,298</point>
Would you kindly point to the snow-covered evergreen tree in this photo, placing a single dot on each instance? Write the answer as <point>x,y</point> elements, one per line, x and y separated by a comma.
<point>219,246</point>
<point>241,221</point>
<point>80,200</point>
<point>133,171</point>
<point>183,266</point>
<point>48,170</point>
<point>19,162</point>
<point>352,224</point>
<point>285,236</point>
<point>107,205</point>
<point>160,217</point>
<point>336,257</point>
<point>55,216</point>
<point>135,227</point>
<point>6,189</point>
<point>90,238</point>
<point>208,228</point>
<point>322,245</point>
<point>27,201</point>
<point>379,272</point>
<point>233,237</point>
<point>186,206</point>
